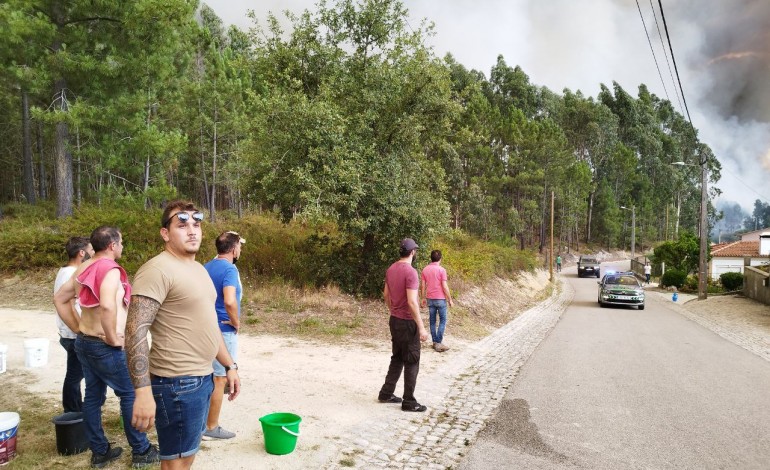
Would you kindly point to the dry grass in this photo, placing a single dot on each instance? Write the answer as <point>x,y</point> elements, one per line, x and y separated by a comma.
<point>36,439</point>
<point>328,314</point>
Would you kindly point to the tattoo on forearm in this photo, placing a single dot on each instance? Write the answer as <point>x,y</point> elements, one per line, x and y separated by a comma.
<point>141,314</point>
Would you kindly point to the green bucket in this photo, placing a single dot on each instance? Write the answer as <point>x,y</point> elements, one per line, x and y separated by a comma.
<point>281,431</point>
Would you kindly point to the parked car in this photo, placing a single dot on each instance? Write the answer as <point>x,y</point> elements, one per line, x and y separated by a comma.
<point>588,266</point>
<point>621,288</point>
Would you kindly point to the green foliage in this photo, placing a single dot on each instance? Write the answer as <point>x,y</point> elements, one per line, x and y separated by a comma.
<point>475,261</point>
<point>673,277</point>
<point>346,115</point>
<point>691,283</point>
<point>731,281</point>
<point>682,254</point>
<point>300,254</point>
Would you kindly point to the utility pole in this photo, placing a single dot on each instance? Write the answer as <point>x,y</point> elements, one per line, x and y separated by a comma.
<point>703,269</point>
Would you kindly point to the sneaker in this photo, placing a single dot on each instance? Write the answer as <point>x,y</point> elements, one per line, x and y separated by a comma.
<point>102,460</point>
<point>441,347</point>
<point>390,399</point>
<point>416,407</point>
<point>150,456</point>
<point>217,433</point>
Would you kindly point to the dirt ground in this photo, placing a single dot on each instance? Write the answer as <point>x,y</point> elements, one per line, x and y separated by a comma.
<point>330,381</point>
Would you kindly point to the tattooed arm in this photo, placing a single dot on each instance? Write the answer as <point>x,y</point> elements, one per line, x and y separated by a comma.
<point>141,314</point>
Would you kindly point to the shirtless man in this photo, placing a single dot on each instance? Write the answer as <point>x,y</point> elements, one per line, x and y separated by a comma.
<point>102,288</point>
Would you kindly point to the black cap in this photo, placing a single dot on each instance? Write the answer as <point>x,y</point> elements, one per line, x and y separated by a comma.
<point>408,244</point>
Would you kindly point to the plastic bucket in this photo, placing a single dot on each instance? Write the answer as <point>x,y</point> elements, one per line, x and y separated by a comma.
<point>35,352</point>
<point>3,357</point>
<point>70,433</point>
<point>9,426</point>
<point>281,431</point>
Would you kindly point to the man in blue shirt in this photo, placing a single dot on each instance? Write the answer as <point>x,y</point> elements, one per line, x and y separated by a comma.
<point>227,281</point>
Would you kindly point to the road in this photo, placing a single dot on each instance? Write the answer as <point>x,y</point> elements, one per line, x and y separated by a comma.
<point>620,388</point>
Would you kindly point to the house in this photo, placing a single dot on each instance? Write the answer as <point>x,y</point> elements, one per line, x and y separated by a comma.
<point>753,236</point>
<point>732,256</point>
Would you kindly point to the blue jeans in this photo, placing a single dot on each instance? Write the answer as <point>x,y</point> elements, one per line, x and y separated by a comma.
<point>105,366</point>
<point>437,306</point>
<point>71,396</point>
<point>181,408</point>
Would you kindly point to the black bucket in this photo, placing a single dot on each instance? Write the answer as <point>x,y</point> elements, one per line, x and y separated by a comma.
<point>70,433</point>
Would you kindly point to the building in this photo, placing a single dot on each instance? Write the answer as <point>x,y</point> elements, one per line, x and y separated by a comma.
<point>732,256</point>
<point>753,236</point>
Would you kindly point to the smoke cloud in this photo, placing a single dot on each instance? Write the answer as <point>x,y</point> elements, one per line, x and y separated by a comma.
<point>722,51</point>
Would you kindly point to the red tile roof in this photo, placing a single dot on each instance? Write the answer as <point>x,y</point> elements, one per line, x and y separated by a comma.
<point>736,250</point>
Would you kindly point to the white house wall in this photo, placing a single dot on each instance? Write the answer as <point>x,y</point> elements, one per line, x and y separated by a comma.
<point>719,266</point>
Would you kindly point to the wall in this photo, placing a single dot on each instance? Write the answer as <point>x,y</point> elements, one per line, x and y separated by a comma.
<point>756,284</point>
<point>719,265</point>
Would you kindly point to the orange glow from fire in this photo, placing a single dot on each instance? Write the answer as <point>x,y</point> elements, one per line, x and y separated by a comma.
<point>735,55</point>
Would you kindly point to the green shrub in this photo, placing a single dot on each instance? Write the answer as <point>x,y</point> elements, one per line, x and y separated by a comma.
<point>673,277</point>
<point>691,283</point>
<point>731,281</point>
<point>31,237</point>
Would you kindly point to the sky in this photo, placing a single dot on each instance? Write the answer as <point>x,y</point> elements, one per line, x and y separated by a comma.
<point>722,51</point>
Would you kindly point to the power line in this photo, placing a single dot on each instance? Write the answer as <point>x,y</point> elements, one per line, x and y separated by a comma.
<point>668,62</point>
<point>652,50</point>
<point>673,59</point>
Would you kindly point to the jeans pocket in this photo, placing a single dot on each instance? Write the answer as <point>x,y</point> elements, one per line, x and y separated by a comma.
<point>187,385</point>
<point>161,416</point>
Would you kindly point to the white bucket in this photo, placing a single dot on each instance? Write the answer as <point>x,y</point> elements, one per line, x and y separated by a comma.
<point>35,352</point>
<point>3,357</point>
<point>9,425</point>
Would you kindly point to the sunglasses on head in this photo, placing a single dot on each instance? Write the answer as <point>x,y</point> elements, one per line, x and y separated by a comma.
<point>184,217</point>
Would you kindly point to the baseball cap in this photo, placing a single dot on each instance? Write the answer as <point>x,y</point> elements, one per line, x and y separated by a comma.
<point>408,244</point>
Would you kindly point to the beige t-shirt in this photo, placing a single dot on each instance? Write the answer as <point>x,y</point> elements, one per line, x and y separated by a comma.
<point>185,334</point>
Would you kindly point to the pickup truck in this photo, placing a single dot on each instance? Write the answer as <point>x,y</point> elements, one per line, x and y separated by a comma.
<point>588,266</point>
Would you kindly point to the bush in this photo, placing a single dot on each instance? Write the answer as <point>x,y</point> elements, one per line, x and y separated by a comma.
<point>673,277</point>
<point>691,283</point>
<point>303,255</point>
<point>731,281</point>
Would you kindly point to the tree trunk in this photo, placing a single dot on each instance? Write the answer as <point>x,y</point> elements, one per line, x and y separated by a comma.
<point>203,158</point>
<point>78,192</point>
<point>590,216</point>
<point>41,175</point>
<point>29,177</point>
<point>63,156</point>
<point>146,182</point>
<point>212,205</point>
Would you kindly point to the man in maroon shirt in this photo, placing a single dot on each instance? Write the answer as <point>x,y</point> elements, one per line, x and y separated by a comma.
<point>406,328</point>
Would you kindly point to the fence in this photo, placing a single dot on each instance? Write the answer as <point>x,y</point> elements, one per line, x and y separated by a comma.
<point>756,284</point>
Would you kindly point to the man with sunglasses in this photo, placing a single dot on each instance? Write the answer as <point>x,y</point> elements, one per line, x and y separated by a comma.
<point>227,282</point>
<point>174,300</point>
<point>103,291</point>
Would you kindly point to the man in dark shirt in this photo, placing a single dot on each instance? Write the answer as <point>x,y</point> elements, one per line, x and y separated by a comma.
<point>406,328</point>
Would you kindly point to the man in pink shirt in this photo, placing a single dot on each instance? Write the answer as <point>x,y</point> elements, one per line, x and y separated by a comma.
<point>406,328</point>
<point>435,295</point>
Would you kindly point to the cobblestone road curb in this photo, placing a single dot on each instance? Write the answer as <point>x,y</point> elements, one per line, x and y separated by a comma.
<point>467,393</point>
<point>751,339</point>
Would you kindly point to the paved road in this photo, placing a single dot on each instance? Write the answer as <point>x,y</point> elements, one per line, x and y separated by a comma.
<point>622,388</point>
